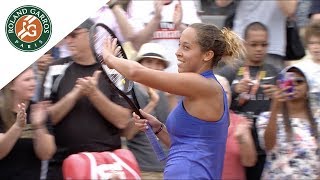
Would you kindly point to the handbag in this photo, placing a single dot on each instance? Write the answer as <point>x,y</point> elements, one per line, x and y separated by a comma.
<point>119,164</point>
<point>294,48</point>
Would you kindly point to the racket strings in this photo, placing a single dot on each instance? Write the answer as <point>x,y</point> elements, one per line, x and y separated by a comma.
<point>118,79</point>
<point>99,43</point>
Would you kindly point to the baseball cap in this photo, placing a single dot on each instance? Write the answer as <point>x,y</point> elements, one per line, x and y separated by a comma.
<point>152,50</point>
<point>293,68</point>
<point>87,24</point>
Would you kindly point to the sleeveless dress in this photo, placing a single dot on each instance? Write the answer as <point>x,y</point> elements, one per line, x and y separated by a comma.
<point>197,146</point>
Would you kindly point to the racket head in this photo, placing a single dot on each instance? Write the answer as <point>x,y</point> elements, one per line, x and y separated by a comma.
<point>98,34</point>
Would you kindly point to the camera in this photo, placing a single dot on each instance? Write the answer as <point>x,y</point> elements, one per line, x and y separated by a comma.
<point>268,80</point>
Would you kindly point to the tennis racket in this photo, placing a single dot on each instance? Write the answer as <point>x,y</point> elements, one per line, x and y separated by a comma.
<point>98,33</point>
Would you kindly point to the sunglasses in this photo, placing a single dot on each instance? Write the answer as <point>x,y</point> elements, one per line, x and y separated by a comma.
<point>74,34</point>
<point>299,81</point>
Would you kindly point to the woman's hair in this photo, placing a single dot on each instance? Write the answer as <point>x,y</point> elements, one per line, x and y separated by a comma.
<point>224,43</point>
<point>313,29</point>
<point>286,115</point>
<point>7,116</point>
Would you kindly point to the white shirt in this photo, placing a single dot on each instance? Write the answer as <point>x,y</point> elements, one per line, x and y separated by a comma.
<point>166,35</point>
<point>312,72</point>
<point>267,13</point>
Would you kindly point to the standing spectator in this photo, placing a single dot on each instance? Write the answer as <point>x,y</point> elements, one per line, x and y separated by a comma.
<point>152,101</point>
<point>271,13</point>
<point>314,13</point>
<point>103,15</point>
<point>311,67</point>
<point>173,16</point>
<point>197,127</point>
<point>25,137</point>
<point>87,113</point>
<point>302,12</point>
<point>240,148</point>
<point>41,66</point>
<point>302,19</point>
<point>129,32</point>
<point>248,82</point>
<point>290,134</point>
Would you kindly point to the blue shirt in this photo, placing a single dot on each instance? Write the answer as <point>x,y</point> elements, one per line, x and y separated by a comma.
<point>197,146</point>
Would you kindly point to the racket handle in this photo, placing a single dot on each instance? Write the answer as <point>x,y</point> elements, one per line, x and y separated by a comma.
<point>155,144</point>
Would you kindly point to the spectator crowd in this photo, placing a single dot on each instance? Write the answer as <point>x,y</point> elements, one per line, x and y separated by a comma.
<point>222,97</point>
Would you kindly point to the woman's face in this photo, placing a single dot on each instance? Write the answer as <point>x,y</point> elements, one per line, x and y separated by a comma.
<point>189,53</point>
<point>300,87</point>
<point>24,85</point>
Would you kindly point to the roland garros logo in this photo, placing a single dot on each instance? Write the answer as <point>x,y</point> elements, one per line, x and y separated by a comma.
<point>28,28</point>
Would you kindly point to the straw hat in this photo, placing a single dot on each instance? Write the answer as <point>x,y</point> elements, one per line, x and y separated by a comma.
<point>152,50</point>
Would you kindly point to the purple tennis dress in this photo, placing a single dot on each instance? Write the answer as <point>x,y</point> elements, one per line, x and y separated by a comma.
<point>197,146</point>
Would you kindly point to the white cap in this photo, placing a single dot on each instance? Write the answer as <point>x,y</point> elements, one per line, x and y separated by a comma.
<point>152,50</point>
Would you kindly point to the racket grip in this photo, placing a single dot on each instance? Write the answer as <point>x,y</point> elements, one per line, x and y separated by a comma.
<point>155,144</point>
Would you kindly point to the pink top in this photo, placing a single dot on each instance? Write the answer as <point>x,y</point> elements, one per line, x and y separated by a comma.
<point>233,168</point>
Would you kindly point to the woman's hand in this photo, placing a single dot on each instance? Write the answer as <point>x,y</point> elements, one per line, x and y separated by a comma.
<point>44,61</point>
<point>110,49</point>
<point>243,129</point>
<point>243,86</point>
<point>282,94</point>
<point>177,15</point>
<point>153,95</point>
<point>21,119</point>
<point>158,5</point>
<point>39,113</point>
<point>141,124</point>
<point>269,89</point>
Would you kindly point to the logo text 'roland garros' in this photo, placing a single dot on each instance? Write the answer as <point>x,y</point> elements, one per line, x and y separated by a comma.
<point>28,28</point>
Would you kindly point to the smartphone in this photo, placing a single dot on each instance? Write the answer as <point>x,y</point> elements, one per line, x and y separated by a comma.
<point>268,80</point>
<point>286,80</point>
